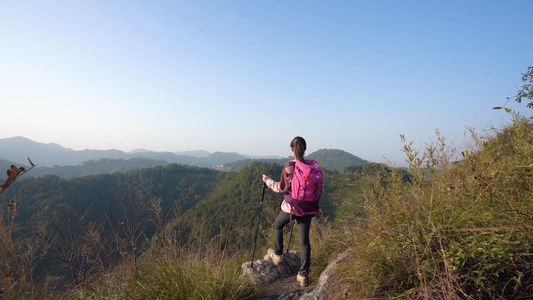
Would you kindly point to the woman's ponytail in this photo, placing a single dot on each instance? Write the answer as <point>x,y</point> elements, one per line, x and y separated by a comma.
<point>299,146</point>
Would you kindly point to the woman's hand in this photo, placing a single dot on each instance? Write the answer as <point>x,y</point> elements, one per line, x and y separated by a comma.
<point>265,178</point>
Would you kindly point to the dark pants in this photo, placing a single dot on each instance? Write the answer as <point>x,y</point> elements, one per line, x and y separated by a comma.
<point>304,224</point>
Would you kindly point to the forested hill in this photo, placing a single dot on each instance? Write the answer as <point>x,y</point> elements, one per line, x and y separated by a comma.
<point>178,186</point>
<point>331,159</point>
<point>335,159</point>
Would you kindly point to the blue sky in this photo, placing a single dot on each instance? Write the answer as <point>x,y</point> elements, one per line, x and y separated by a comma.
<point>248,76</point>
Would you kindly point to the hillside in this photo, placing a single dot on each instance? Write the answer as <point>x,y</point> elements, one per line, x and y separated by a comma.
<point>456,229</point>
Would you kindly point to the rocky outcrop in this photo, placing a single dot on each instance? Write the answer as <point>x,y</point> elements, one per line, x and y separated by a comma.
<point>264,272</point>
<point>326,280</point>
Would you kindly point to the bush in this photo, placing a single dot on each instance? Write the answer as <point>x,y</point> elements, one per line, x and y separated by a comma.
<point>456,230</point>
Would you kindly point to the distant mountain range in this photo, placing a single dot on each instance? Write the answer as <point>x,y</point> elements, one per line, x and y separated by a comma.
<point>55,159</point>
<point>17,149</point>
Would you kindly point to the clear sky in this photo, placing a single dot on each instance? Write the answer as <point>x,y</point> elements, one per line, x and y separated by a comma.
<point>248,76</point>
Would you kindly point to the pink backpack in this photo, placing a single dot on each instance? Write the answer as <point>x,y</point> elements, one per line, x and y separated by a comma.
<point>306,188</point>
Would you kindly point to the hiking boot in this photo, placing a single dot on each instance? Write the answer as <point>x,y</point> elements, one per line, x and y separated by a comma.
<point>302,280</point>
<point>274,257</point>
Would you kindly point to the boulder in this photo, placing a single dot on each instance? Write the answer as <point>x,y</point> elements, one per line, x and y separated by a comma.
<point>264,271</point>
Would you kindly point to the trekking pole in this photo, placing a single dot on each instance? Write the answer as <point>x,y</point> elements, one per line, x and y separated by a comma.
<point>258,220</point>
<point>290,236</point>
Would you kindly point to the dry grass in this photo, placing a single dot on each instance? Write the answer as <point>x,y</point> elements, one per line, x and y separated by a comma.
<point>456,230</point>
<point>173,274</point>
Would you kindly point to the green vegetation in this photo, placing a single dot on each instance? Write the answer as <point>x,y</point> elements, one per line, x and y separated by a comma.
<point>173,274</point>
<point>230,210</point>
<point>459,230</point>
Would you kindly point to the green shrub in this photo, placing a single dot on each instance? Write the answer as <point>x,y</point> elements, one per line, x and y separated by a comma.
<point>456,230</point>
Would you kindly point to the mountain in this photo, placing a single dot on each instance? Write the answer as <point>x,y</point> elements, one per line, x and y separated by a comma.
<point>138,150</point>
<point>332,159</point>
<point>335,159</point>
<point>220,158</point>
<point>18,149</point>
<point>194,153</point>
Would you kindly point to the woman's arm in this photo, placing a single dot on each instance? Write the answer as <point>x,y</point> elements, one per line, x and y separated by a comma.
<point>284,184</point>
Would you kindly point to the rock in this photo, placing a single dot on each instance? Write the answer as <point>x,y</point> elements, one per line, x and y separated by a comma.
<point>264,271</point>
<point>325,281</point>
<point>290,295</point>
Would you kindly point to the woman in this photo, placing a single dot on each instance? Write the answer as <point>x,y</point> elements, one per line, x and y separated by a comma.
<point>288,213</point>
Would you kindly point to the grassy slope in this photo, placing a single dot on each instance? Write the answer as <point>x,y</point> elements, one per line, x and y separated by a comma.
<point>457,231</point>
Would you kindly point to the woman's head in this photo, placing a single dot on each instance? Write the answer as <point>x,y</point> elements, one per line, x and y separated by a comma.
<point>298,146</point>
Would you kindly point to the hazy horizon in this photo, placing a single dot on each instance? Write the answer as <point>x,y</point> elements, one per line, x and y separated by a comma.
<point>178,151</point>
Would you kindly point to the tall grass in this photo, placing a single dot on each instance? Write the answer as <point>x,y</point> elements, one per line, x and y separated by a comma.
<point>455,230</point>
<point>174,273</point>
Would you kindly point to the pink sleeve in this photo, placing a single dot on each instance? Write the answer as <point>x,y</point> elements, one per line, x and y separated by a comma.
<point>273,185</point>
<point>284,184</point>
